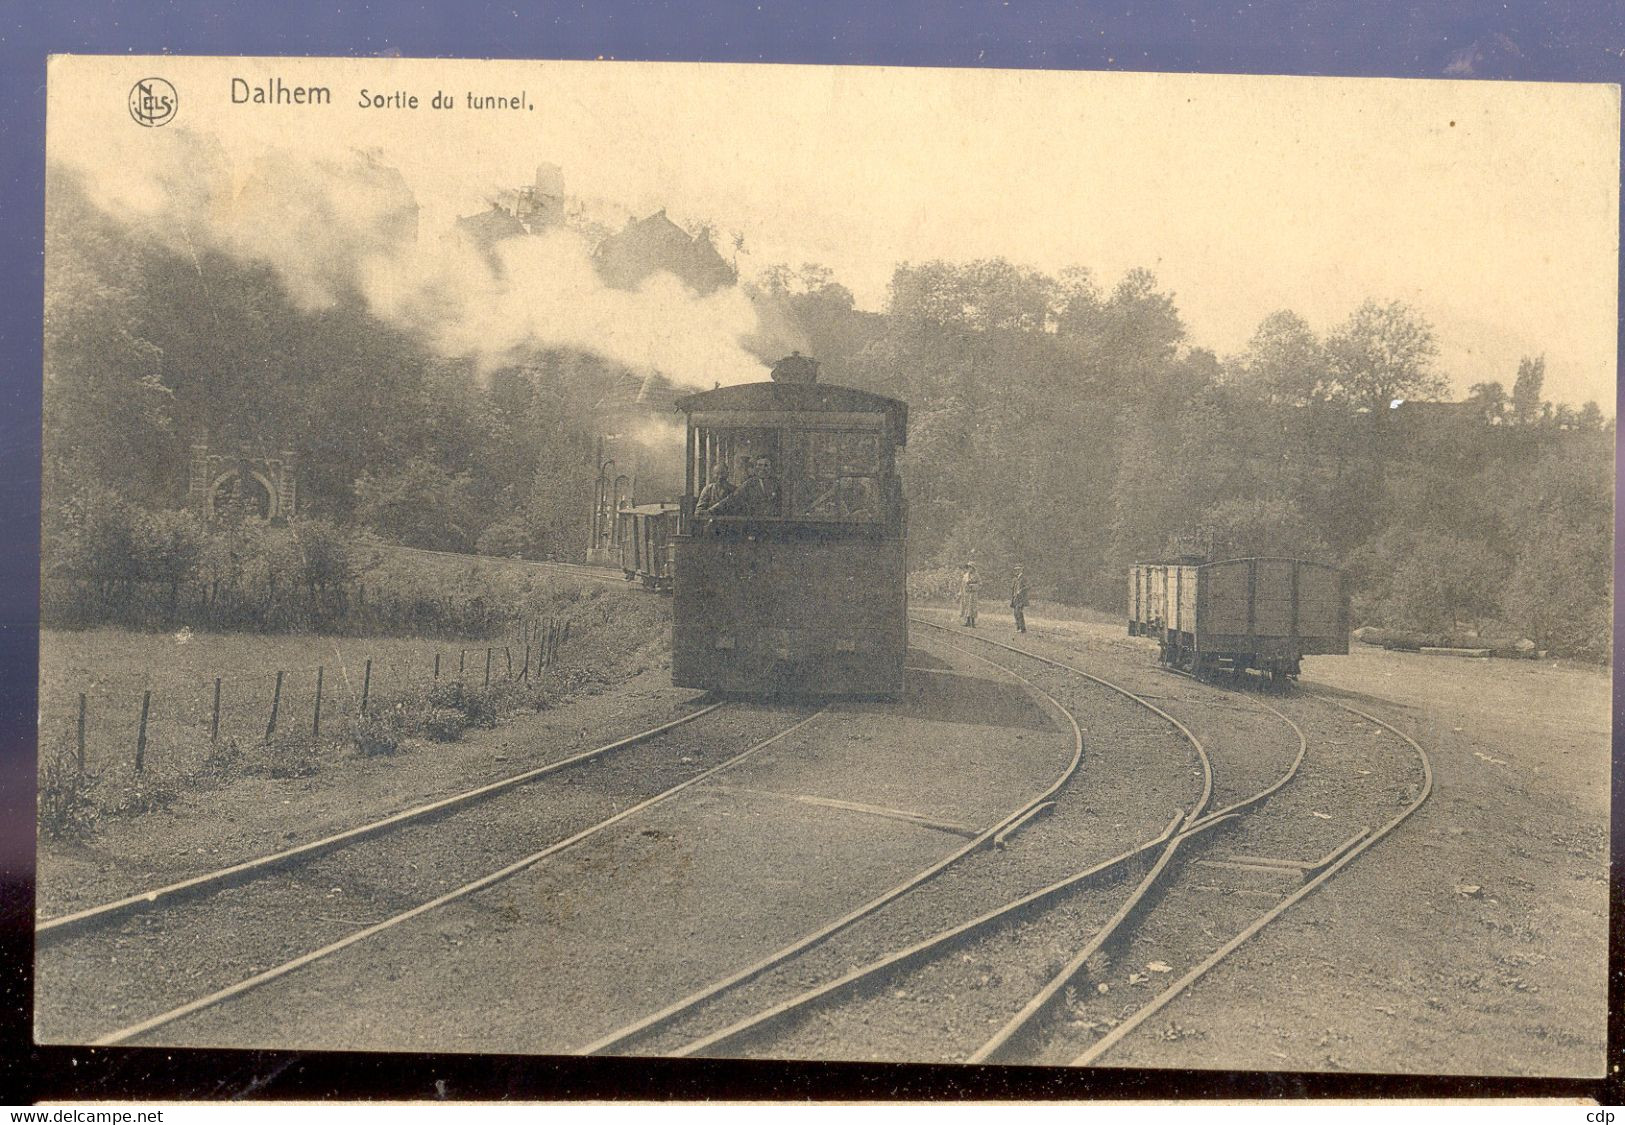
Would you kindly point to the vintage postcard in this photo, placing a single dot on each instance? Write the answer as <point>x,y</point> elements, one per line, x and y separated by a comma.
<point>807,562</point>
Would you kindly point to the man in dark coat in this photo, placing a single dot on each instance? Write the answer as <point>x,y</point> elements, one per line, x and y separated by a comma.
<point>1018,599</point>
<point>760,496</point>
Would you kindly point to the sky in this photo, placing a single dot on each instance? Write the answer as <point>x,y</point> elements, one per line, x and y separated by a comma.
<point>1490,207</point>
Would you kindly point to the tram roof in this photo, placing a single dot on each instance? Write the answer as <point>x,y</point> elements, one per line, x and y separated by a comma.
<point>800,397</point>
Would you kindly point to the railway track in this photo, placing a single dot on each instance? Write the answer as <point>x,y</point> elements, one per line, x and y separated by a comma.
<point>284,902</point>
<point>880,963</point>
<point>1088,1030</point>
<point>915,981</point>
<point>670,1030</point>
<point>53,929</point>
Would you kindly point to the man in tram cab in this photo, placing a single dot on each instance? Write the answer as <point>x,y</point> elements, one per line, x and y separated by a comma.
<point>760,495</point>
<point>718,489</point>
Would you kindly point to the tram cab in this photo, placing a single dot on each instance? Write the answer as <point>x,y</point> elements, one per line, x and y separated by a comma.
<point>790,579</point>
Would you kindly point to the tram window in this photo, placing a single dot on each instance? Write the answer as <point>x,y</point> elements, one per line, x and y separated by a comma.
<point>747,453</point>
<point>835,475</point>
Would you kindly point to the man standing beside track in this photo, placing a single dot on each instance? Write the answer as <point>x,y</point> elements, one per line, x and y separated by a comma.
<point>969,583</point>
<point>1018,599</point>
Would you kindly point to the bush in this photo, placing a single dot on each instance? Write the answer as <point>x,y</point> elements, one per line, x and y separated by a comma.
<point>445,694</point>
<point>483,706</point>
<point>66,808</point>
<point>326,555</point>
<point>145,792</point>
<point>374,734</point>
<point>223,758</point>
<point>169,547</point>
<point>444,724</point>
<point>938,584</point>
<point>508,539</point>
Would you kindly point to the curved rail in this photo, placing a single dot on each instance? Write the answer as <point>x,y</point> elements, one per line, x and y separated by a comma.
<point>1001,1039</point>
<point>1118,1033</point>
<point>919,951</point>
<point>251,868</point>
<point>217,997</point>
<point>1201,753</point>
<point>666,1015</point>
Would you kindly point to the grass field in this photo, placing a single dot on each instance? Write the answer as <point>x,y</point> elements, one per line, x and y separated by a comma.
<point>613,631</point>
<point>114,667</point>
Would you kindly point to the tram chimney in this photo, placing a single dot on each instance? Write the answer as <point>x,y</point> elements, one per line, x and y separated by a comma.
<point>796,368</point>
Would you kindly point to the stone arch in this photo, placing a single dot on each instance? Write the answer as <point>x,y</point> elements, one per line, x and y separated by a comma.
<point>276,475</point>
<point>267,490</point>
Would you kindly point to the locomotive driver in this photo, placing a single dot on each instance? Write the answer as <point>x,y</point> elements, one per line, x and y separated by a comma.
<point>715,492</point>
<point>759,496</point>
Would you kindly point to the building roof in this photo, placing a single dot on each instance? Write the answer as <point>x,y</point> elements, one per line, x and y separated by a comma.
<point>655,245</point>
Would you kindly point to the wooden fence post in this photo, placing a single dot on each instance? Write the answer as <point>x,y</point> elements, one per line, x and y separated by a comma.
<point>366,685</point>
<point>276,701</point>
<point>437,665</point>
<point>141,736</point>
<point>507,651</point>
<point>316,718</point>
<point>81,732</point>
<point>487,667</point>
<point>214,719</point>
<point>462,659</point>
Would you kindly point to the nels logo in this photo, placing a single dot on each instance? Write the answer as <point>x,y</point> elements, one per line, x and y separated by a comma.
<point>152,102</point>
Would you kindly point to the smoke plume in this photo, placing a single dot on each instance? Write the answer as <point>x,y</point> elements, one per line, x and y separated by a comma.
<point>351,224</point>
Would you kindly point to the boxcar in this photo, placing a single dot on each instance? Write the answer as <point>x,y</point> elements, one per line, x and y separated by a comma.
<point>645,533</point>
<point>795,584</point>
<point>1263,613</point>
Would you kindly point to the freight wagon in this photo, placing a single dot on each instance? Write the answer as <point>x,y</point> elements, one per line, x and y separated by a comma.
<point>1263,613</point>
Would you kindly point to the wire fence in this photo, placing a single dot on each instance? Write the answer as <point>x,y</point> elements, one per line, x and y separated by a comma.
<point>176,726</point>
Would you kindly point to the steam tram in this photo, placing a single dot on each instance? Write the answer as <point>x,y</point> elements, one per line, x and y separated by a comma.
<point>795,583</point>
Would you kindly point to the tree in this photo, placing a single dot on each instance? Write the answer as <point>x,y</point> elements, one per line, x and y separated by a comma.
<point>1489,401</point>
<point>1136,333</point>
<point>422,505</point>
<point>1381,354</point>
<point>1285,361</point>
<point>983,295</point>
<point>1526,404</point>
<point>1250,527</point>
